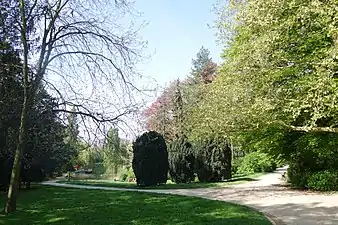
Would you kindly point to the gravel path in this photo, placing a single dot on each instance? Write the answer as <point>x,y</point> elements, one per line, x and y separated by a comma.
<point>267,194</point>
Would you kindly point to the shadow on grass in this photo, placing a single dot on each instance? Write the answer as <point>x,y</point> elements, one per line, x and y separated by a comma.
<point>55,205</point>
<point>237,179</point>
<point>102,183</point>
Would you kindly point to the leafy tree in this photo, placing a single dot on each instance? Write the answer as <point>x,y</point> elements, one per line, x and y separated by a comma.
<point>276,90</point>
<point>285,75</point>
<point>150,160</point>
<point>199,64</point>
<point>208,74</point>
<point>181,161</point>
<point>115,152</point>
<point>44,152</point>
<point>178,112</point>
<point>72,131</point>
<point>160,116</point>
<point>167,114</point>
<point>257,162</point>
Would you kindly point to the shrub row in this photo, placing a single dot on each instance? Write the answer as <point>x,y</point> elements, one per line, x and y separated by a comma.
<point>181,161</point>
<point>213,160</point>
<point>324,180</point>
<point>210,160</point>
<point>312,160</point>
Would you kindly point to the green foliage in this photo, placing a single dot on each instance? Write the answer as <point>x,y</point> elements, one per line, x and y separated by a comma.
<point>150,161</point>
<point>309,153</point>
<point>123,176</point>
<point>181,161</point>
<point>202,60</point>
<point>115,152</point>
<point>296,176</point>
<point>278,77</point>
<point>235,164</point>
<point>131,173</point>
<point>257,162</point>
<point>213,160</point>
<point>126,174</point>
<point>45,151</point>
<point>87,156</point>
<point>323,181</point>
<point>72,130</point>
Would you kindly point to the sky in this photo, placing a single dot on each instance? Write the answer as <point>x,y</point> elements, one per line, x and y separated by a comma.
<point>176,30</point>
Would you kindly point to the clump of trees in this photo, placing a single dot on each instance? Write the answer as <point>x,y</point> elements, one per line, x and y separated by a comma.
<point>60,54</point>
<point>191,155</point>
<point>45,151</point>
<point>150,160</point>
<point>275,93</point>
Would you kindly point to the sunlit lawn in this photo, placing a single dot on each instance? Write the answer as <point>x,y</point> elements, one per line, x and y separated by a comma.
<point>169,185</point>
<point>56,205</point>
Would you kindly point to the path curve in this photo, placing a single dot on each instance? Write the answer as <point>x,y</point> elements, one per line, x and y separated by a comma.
<point>267,194</point>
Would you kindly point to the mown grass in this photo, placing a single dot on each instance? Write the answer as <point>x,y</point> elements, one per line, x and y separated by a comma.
<point>169,185</point>
<point>66,206</point>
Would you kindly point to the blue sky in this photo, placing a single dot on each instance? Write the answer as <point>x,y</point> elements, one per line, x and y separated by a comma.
<point>176,31</point>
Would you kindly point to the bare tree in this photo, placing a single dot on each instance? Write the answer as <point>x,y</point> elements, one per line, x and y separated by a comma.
<point>85,53</point>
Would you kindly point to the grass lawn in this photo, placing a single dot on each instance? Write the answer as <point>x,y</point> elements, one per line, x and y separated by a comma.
<point>66,206</point>
<point>169,185</point>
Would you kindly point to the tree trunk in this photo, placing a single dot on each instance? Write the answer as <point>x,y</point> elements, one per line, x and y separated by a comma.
<point>115,170</point>
<point>15,175</point>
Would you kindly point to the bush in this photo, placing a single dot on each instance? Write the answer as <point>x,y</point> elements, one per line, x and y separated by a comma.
<point>33,174</point>
<point>213,160</point>
<point>150,160</point>
<point>297,175</point>
<point>257,162</point>
<point>310,153</point>
<point>323,181</point>
<point>236,163</point>
<point>123,176</point>
<point>181,161</point>
<point>131,173</point>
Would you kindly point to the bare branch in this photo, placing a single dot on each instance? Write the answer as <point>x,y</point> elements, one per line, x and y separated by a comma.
<point>96,118</point>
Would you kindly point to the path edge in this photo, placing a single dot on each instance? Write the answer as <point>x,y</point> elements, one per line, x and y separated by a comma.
<point>273,219</point>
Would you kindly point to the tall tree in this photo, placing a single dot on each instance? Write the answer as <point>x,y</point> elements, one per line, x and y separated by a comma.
<point>201,61</point>
<point>72,131</point>
<point>44,152</point>
<point>279,70</point>
<point>159,116</point>
<point>55,37</point>
<point>178,114</point>
<point>115,153</point>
